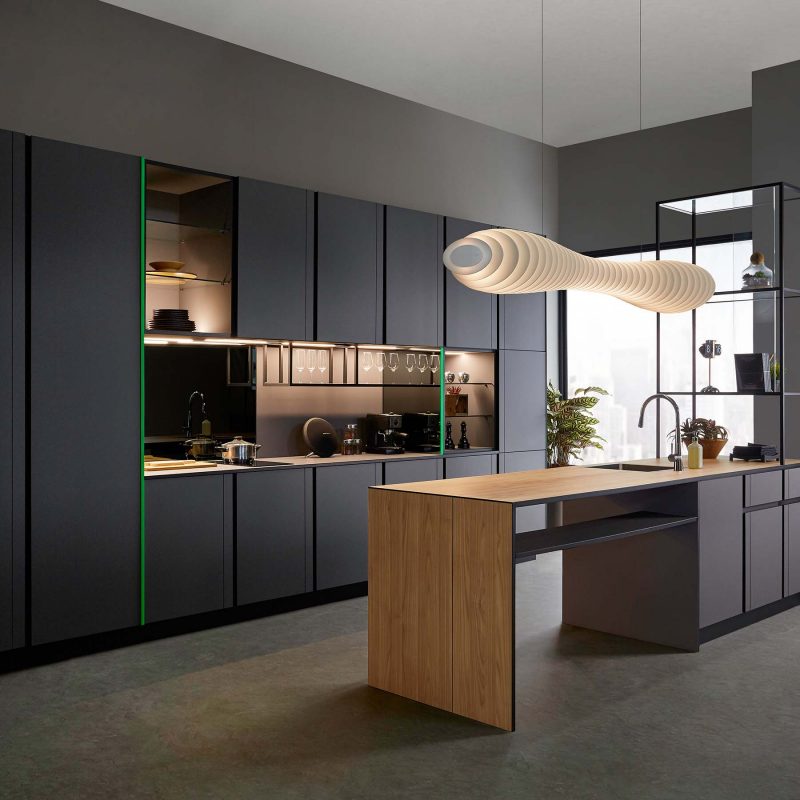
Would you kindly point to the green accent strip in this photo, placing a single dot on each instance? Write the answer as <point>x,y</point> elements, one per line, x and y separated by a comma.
<point>142,186</point>
<point>441,401</point>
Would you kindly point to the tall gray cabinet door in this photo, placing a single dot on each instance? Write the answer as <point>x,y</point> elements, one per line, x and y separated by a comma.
<point>349,294</point>
<point>184,546</point>
<point>273,277</point>
<point>470,316</point>
<point>270,535</point>
<point>6,389</point>
<point>523,377</point>
<point>341,523</point>
<point>720,532</point>
<point>791,549</point>
<point>523,321</point>
<point>413,277</point>
<point>85,339</point>
<point>763,557</point>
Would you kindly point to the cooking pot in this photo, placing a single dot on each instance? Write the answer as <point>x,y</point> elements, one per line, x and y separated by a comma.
<point>200,448</point>
<point>238,451</point>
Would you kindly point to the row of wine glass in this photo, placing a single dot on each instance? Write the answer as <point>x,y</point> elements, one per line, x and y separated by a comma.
<point>391,361</point>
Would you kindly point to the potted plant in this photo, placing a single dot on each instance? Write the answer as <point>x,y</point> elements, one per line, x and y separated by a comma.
<point>570,426</point>
<point>712,437</point>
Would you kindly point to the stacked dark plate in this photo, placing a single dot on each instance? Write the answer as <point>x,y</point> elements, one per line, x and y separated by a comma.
<point>171,319</point>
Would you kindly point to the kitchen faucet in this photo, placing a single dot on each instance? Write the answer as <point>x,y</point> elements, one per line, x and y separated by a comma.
<point>675,455</point>
<point>188,426</point>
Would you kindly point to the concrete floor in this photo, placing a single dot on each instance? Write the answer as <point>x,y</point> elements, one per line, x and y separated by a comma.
<point>278,708</point>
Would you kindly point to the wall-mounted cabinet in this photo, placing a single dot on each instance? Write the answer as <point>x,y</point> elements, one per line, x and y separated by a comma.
<point>523,377</point>
<point>469,397</point>
<point>523,321</point>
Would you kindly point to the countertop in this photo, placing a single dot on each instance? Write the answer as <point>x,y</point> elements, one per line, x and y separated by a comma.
<point>563,483</point>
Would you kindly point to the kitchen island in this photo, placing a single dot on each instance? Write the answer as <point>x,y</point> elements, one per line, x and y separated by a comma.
<point>649,553</point>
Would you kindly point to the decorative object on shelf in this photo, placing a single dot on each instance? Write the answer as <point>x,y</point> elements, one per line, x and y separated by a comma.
<point>320,437</point>
<point>775,373</point>
<point>238,451</point>
<point>450,377</point>
<point>570,426</point>
<point>449,444</point>
<point>505,261</point>
<point>753,372</point>
<point>463,377</point>
<point>710,349</point>
<point>757,275</point>
<point>455,403</point>
<point>171,319</point>
<point>754,452</point>
<point>168,266</point>
<point>711,437</point>
<point>463,442</point>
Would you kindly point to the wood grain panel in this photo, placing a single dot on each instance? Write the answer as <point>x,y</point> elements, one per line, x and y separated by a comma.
<point>410,596</point>
<point>483,612</point>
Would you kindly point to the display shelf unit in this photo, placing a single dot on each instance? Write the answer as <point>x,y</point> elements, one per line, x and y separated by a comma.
<point>743,319</point>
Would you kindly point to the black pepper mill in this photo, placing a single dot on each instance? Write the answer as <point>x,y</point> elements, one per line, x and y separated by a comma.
<point>449,444</point>
<point>463,442</point>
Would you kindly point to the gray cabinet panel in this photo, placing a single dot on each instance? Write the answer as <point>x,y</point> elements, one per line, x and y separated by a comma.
<point>791,549</point>
<point>763,557</point>
<point>270,535</point>
<point>791,483</point>
<point>184,546</point>
<point>425,469</point>
<point>469,466</point>
<point>523,379</point>
<point>6,389</point>
<point>341,523</point>
<point>523,321</point>
<point>765,487</point>
<point>470,316</point>
<point>85,338</point>
<point>533,517</point>
<point>720,548</point>
<point>349,241</point>
<point>413,269</point>
<point>273,275</point>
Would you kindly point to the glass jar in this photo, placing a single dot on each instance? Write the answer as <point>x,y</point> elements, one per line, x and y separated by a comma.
<point>757,275</point>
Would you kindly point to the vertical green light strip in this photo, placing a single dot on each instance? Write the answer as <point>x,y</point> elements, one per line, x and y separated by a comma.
<point>142,186</point>
<point>441,401</point>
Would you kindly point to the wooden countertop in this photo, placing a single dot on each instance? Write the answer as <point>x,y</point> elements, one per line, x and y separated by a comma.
<point>548,485</point>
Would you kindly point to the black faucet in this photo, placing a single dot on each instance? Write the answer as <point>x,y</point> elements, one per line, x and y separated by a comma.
<point>675,455</point>
<point>188,427</point>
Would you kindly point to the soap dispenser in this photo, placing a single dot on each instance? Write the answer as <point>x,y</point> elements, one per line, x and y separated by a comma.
<point>695,454</point>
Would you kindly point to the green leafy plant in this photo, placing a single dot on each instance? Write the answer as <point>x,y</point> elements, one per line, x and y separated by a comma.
<point>570,426</point>
<point>704,428</point>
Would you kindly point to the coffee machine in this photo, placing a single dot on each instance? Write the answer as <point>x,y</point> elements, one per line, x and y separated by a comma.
<point>384,434</point>
<point>422,429</point>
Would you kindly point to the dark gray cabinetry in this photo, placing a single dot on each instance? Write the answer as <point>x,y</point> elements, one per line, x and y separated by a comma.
<point>274,279</point>
<point>341,523</point>
<point>523,375</point>
<point>765,487</point>
<point>187,523</point>
<point>720,549</point>
<point>470,316</point>
<point>763,550</point>
<point>6,387</point>
<point>469,466</point>
<point>271,534</point>
<point>424,469</point>
<point>414,279</point>
<point>522,321</point>
<point>791,549</point>
<point>85,335</point>
<point>349,294</point>
<point>791,483</point>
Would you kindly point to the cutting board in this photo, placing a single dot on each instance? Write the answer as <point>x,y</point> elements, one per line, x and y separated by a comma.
<point>160,466</point>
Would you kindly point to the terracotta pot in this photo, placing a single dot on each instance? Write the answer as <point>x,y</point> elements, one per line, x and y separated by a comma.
<point>711,447</point>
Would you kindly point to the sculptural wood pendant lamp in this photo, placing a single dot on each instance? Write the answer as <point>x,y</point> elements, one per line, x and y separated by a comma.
<point>506,261</point>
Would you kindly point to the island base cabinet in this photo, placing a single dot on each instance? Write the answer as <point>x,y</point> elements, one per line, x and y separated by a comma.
<point>272,528</point>
<point>187,545</point>
<point>763,532</point>
<point>341,500</point>
<point>791,553</point>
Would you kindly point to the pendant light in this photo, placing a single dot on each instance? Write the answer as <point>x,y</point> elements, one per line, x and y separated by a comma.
<point>508,261</point>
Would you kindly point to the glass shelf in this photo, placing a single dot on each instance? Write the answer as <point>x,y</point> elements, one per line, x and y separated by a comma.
<point>158,279</point>
<point>160,230</point>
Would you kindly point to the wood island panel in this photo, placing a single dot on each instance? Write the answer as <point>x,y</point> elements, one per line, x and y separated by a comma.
<point>410,596</point>
<point>483,612</point>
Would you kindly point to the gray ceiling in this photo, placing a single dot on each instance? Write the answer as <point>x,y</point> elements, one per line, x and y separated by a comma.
<point>483,60</point>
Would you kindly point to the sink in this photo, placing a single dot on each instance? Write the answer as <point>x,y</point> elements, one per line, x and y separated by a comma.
<point>631,467</point>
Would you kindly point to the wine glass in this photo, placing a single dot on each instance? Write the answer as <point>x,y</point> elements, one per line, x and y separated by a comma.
<point>435,363</point>
<point>422,362</point>
<point>322,361</point>
<point>300,361</point>
<point>394,361</point>
<point>311,362</point>
<point>381,362</point>
<point>411,362</point>
<point>366,360</point>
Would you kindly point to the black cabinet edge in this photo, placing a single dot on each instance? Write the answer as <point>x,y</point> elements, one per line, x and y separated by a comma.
<point>748,618</point>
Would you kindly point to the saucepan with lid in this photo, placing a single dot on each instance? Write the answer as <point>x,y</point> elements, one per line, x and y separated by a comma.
<point>238,451</point>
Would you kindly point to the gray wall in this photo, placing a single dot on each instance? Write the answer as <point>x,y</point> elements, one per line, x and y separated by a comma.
<point>608,187</point>
<point>82,71</point>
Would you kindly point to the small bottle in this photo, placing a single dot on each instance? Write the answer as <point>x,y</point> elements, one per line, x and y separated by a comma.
<point>695,454</point>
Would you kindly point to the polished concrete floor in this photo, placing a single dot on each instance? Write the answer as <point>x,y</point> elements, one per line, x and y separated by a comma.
<point>278,708</point>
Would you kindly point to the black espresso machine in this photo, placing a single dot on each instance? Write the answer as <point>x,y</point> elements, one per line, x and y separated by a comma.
<point>384,434</point>
<point>422,429</point>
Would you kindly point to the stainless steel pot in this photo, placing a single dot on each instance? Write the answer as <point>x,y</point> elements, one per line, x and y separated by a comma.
<point>200,448</point>
<point>238,451</point>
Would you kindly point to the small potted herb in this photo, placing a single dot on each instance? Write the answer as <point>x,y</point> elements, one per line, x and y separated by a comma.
<point>712,437</point>
<point>570,426</point>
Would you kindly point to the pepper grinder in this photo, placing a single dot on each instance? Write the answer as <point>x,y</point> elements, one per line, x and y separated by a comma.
<point>463,442</point>
<point>449,444</point>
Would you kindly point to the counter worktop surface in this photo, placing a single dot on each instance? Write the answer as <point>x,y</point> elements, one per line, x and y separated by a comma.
<point>547,485</point>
